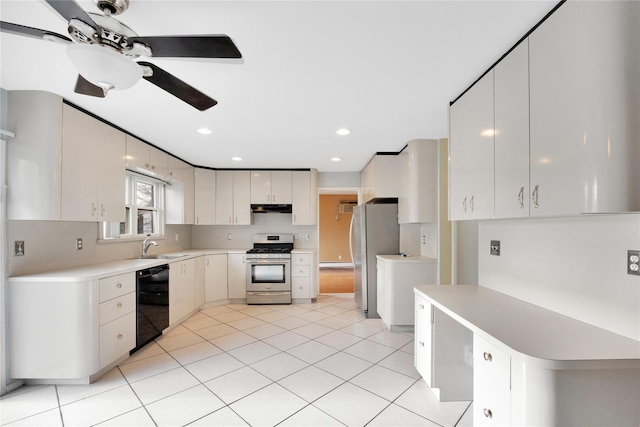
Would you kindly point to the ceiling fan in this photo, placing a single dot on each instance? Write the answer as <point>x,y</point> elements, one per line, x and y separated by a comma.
<point>104,51</point>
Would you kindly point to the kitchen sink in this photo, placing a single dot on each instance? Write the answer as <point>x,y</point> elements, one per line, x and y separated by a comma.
<point>163,256</point>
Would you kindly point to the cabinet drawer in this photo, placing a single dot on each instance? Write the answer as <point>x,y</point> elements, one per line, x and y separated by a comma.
<point>301,287</point>
<point>300,259</point>
<point>115,286</point>
<point>300,271</point>
<point>117,338</point>
<point>114,308</point>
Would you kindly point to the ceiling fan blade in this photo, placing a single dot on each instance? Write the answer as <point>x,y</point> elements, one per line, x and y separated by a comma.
<point>37,33</point>
<point>69,10</point>
<point>85,87</point>
<point>206,46</point>
<point>178,88</point>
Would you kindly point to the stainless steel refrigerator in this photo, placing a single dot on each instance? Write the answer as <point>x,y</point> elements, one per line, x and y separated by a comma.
<point>374,231</point>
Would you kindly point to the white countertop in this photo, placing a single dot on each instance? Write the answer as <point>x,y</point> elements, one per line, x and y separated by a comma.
<point>408,258</point>
<point>113,268</point>
<point>541,336</point>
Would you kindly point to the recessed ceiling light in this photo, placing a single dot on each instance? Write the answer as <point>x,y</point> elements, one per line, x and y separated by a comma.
<point>343,131</point>
<point>335,159</point>
<point>236,159</point>
<point>204,131</point>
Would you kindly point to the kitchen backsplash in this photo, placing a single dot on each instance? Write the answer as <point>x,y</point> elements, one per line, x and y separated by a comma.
<point>575,266</point>
<point>51,245</point>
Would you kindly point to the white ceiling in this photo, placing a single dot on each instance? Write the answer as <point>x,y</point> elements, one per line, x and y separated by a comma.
<point>384,69</point>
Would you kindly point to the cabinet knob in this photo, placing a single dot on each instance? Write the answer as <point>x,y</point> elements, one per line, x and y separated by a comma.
<point>119,285</point>
<point>119,336</point>
<point>487,413</point>
<point>487,356</point>
<point>119,305</point>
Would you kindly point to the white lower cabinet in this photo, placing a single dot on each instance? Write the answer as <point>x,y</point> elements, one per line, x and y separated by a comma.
<point>304,267</point>
<point>182,289</point>
<point>69,331</point>
<point>423,354</point>
<point>237,276</point>
<point>200,281</point>
<point>491,384</point>
<point>215,276</point>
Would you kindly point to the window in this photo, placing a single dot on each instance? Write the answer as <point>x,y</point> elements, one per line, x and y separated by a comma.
<point>144,205</point>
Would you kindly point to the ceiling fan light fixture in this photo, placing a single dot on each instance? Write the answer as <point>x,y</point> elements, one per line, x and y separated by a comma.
<point>104,67</point>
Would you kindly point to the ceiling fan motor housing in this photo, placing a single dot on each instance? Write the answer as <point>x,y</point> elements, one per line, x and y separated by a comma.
<point>112,7</point>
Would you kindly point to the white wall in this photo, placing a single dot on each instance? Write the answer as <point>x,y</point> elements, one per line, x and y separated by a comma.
<point>575,266</point>
<point>51,245</point>
<point>215,236</point>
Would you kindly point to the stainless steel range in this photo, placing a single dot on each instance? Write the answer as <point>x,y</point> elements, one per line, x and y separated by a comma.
<point>269,269</point>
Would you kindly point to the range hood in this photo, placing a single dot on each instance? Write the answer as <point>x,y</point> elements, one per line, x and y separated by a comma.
<point>271,208</point>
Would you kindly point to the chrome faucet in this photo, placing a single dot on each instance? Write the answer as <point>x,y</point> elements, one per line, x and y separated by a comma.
<point>145,245</point>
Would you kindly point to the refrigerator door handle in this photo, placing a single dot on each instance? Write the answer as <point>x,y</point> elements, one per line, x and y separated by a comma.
<point>351,239</point>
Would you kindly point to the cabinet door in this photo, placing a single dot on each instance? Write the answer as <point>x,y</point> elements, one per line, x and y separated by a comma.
<point>158,161</point>
<point>491,384</point>
<point>281,187</point>
<point>304,195</point>
<point>181,290</point>
<point>584,84</point>
<point>224,197</point>
<point>237,276</point>
<point>261,187</point>
<point>79,167</point>
<point>189,194</point>
<point>423,339</point>
<point>199,283</point>
<point>242,197</point>
<point>512,134</point>
<point>111,173</point>
<point>216,277</point>
<point>137,153</point>
<point>471,153</point>
<point>205,196</point>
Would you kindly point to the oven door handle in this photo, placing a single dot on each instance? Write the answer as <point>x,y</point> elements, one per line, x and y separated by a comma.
<point>269,293</point>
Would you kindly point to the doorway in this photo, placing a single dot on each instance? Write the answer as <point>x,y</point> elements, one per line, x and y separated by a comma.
<point>336,265</point>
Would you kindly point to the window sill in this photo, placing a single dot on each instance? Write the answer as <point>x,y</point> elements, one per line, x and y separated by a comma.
<point>129,239</point>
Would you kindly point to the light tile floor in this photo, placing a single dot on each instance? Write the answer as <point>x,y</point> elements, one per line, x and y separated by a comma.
<point>319,364</point>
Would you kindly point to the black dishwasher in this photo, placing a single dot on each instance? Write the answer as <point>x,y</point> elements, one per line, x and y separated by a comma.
<point>152,303</point>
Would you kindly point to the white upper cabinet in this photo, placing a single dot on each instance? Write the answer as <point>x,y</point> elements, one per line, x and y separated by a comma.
<point>471,152</point>
<point>585,88</point>
<point>233,197</point>
<point>189,194</point>
<point>205,196</point>
<point>141,155</point>
<point>93,175</point>
<point>271,187</point>
<point>34,155</point>
<point>305,197</point>
<point>378,178</point>
<point>418,182</point>
<point>511,90</point>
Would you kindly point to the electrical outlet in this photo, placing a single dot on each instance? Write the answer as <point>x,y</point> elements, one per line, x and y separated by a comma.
<point>18,246</point>
<point>633,262</point>
<point>78,244</point>
<point>495,247</point>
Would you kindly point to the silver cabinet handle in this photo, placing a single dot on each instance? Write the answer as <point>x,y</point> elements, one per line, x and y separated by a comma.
<point>521,197</point>
<point>421,343</point>
<point>487,356</point>
<point>421,306</point>
<point>487,413</point>
<point>464,204</point>
<point>472,203</point>
<point>93,209</point>
<point>534,196</point>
